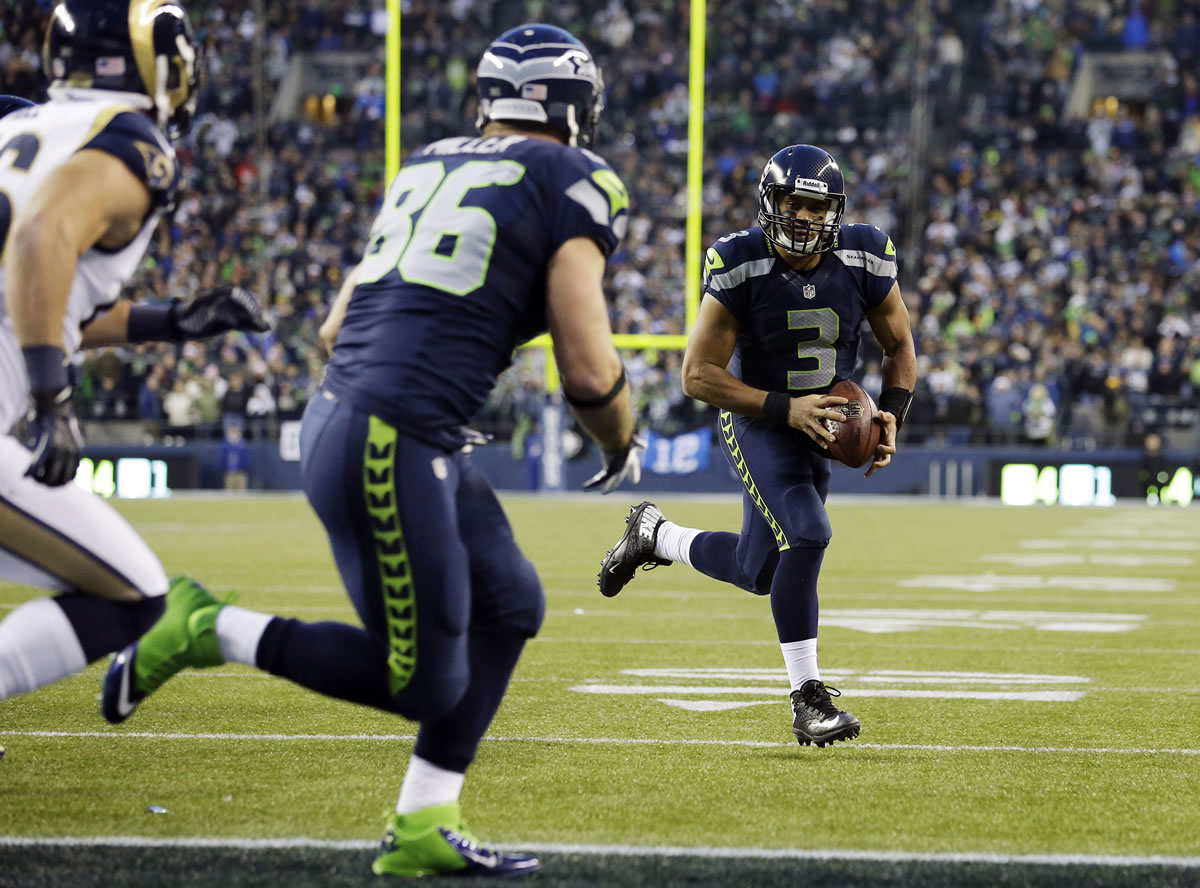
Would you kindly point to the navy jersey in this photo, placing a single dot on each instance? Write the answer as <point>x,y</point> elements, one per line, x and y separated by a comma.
<point>799,330</point>
<point>454,275</point>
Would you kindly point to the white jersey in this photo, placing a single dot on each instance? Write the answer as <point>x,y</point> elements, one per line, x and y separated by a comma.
<point>33,143</point>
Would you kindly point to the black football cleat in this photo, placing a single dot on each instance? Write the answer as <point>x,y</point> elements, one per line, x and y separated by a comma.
<point>634,549</point>
<point>817,719</point>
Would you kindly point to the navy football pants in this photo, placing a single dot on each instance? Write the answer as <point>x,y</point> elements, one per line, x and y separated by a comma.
<point>427,555</point>
<point>785,527</point>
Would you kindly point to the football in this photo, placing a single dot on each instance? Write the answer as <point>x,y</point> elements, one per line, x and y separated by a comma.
<point>858,435</point>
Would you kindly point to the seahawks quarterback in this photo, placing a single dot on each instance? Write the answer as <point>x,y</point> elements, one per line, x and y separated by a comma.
<point>84,179</point>
<point>482,243</point>
<point>783,306</point>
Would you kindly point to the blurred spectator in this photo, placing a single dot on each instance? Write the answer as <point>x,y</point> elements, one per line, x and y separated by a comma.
<point>1004,402</point>
<point>236,400</point>
<point>178,406</point>
<point>1047,249</point>
<point>150,399</point>
<point>235,458</point>
<point>1038,416</point>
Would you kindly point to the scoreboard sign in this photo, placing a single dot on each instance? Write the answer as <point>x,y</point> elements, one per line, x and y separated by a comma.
<point>1061,482</point>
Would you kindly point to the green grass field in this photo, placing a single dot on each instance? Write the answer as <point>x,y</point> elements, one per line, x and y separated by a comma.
<point>1028,682</point>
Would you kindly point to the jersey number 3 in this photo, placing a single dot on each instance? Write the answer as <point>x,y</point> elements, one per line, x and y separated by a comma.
<point>450,245</point>
<point>821,348</point>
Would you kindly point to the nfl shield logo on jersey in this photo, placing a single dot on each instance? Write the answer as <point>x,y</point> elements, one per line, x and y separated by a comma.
<point>809,291</point>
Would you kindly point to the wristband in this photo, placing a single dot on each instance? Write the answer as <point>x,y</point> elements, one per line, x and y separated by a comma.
<point>153,323</point>
<point>777,406</point>
<point>896,401</point>
<point>46,367</point>
<point>603,400</point>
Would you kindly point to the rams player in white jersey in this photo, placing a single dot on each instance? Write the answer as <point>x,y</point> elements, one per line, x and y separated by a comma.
<point>84,180</point>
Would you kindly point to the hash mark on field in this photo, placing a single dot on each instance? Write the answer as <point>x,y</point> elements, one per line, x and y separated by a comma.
<point>603,741</point>
<point>875,644</point>
<point>655,690</point>
<point>1107,559</point>
<point>830,854</point>
<point>1108,545</point>
<point>993,582</point>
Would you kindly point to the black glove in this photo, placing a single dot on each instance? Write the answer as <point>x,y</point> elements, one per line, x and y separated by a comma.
<point>54,439</point>
<point>219,310</point>
<point>619,466</point>
<point>53,431</point>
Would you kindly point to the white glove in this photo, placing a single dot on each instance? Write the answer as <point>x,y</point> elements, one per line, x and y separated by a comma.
<point>622,465</point>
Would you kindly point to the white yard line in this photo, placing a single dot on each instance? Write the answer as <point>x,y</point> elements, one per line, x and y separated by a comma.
<point>605,741</point>
<point>832,854</point>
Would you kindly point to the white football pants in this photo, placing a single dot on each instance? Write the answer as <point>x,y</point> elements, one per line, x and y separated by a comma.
<point>67,539</point>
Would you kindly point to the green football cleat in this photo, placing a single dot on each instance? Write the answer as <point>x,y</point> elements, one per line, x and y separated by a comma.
<point>185,635</point>
<point>435,841</point>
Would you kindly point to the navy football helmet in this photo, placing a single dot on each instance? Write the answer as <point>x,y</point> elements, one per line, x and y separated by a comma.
<point>141,49</point>
<point>9,104</point>
<point>541,74</point>
<point>805,171</point>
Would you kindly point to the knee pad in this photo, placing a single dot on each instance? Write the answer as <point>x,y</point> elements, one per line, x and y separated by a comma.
<point>430,699</point>
<point>529,598</point>
<point>506,593</point>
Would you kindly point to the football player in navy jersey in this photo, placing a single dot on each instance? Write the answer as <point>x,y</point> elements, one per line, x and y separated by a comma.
<point>779,322</point>
<point>84,180</point>
<point>481,244</point>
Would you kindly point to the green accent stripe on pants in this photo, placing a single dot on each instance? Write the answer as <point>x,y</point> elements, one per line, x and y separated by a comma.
<point>730,436</point>
<point>395,574</point>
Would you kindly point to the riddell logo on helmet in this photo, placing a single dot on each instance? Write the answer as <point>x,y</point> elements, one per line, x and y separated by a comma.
<point>812,185</point>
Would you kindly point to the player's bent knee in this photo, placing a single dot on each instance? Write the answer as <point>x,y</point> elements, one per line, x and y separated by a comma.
<point>507,593</point>
<point>424,700</point>
<point>527,604</point>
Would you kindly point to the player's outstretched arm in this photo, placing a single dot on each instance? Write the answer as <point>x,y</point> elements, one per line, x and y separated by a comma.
<point>890,322</point>
<point>593,377</point>
<point>206,313</point>
<point>706,377</point>
<point>91,199</point>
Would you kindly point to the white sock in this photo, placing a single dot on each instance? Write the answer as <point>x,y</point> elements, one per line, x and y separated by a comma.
<point>674,543</point>
<point>800,657</point>
<point>426,784</point>
<point>239,631</point>
<point>38,646</point>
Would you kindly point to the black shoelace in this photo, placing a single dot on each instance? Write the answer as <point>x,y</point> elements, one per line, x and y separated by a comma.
<point>818,697</point>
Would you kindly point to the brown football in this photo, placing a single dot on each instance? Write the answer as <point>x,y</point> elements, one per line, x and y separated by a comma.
<point>858,435</point>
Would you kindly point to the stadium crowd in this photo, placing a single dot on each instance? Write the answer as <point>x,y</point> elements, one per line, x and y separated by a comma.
<point>1054,277</point>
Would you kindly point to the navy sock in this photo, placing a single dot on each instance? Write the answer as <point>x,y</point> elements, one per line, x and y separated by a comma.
<point>450,741</point>
<point>794,593</point>
<point>104,627</point>
<point>331,658</point>
<point>714,554</point>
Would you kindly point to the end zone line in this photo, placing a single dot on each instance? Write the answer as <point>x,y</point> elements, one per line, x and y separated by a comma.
<point>832,854</point>
<point>615,741</point>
